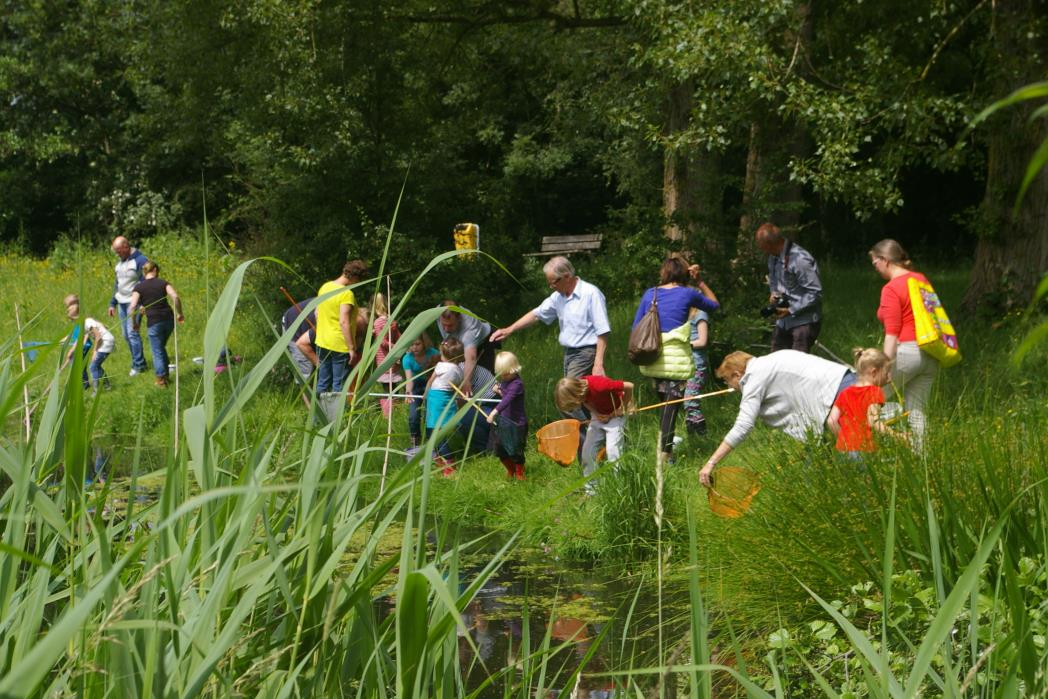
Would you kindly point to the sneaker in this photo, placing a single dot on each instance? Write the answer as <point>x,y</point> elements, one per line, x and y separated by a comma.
<point>161,381</point>
<point>677,439</point>
<point>134,372</point>
<point>448,471</point>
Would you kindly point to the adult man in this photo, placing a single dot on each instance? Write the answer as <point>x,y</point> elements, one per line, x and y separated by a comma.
<point>582,313</point>
<point>787,390</point>
<point>475,336</point>
<point>793,279</point>
<point>128,274</point>
<point>336,325</point>
<point>300,359</point>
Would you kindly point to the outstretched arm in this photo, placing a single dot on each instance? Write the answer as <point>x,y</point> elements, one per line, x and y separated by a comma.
<point>705,473</point>
<point>524,321</point>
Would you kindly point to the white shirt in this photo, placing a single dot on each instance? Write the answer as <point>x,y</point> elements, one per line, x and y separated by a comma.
<point>583,315</point>
<point>787,390</point>
<point>108,342</point>
<point>444,375</point>
<point>128,274</point>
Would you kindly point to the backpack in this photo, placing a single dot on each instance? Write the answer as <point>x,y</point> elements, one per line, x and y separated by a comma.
<point>935,333</point>
<point>646,337</point>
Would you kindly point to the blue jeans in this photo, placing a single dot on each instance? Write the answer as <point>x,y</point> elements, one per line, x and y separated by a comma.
<point>158,333</point>
<point>333,370</point>
<point>134,340</point>
<point>97,372</point>
<point>478,425</point>
<point>415,414</point>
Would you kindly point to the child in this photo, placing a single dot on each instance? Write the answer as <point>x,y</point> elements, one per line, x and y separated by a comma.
<point>387,333</point>
<point>511,428</point>
<point>856,411</point>
<point>97,337</point>
<point>440,403</point>
<point>473,428</point>
<point>607,400</point>
<point>421,356</point>
<point>700,333</point>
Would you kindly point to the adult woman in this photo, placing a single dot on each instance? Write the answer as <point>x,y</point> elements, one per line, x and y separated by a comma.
<point>786,390</point>
<point>914,370</point>
<point>151,297</point>
<point>674,300</point>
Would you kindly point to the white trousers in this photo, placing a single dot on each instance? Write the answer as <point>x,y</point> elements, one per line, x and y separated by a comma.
<point>602,434</point>
<point>913,375</point>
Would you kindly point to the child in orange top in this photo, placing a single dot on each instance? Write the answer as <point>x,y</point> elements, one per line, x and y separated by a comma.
<point>856,412</point>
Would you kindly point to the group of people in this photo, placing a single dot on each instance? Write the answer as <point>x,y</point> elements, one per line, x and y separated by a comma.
<point>789,389</point>
<point>138,290</point>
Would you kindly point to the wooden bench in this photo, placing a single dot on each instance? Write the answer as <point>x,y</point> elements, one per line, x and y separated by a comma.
<point>566,244</point>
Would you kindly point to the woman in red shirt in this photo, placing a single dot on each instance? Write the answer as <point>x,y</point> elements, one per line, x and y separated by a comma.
<point>914,370</point>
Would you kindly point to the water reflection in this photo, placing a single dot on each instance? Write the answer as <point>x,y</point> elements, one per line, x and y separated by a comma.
<point>573,608</point>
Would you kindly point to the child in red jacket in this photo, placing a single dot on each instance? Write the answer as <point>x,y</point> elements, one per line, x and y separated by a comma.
<point>608,401</point>
<point>856,412</point>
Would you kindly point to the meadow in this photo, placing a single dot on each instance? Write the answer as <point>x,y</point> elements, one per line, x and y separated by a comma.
<point>275,556</point>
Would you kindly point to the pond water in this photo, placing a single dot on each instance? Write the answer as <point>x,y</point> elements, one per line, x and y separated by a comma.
<point>593,617</point>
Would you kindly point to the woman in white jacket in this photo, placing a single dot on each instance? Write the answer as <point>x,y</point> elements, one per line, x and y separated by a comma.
<point>788,390</point>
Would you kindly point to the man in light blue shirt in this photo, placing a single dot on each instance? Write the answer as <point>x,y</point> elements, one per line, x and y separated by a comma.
<point>582,313</point>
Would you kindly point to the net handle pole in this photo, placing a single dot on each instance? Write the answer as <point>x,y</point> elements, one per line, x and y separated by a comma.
<point>295,304</point>
<point>681,400</point>
<point>468,399</point>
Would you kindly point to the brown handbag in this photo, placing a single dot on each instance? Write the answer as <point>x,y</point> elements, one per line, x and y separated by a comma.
<point>646,337</point>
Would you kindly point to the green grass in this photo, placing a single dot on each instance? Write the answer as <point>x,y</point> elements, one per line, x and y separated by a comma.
<point>261,563</point>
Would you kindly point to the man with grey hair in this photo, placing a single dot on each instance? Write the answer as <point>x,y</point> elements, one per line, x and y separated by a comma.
<point>582,314</point>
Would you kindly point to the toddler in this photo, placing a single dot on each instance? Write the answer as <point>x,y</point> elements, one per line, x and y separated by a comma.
<point>608,401</point>
<point>856,411</point>
<point>440,403</point>
<point>509,416</point>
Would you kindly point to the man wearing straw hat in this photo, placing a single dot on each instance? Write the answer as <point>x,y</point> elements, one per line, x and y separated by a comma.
<point>788,390</point>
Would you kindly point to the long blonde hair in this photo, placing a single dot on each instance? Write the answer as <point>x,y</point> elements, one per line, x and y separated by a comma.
<point>378,305</point>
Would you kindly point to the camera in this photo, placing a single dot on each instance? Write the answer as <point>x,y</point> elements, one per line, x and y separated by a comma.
<point>779,302</point>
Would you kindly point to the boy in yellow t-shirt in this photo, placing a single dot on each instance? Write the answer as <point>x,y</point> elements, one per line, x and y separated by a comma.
<point>336,321</point>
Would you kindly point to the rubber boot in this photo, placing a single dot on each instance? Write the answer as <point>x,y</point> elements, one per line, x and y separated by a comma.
<point>518,472</point>
<point>511,468</point>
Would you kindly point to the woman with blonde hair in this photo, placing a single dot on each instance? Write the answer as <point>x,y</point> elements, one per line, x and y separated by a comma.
<point>788,390</point>
<point>914,370</point>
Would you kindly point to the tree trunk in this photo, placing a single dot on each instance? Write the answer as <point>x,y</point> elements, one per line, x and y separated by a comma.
<point>675,181</point>
<point>1012,253</point>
